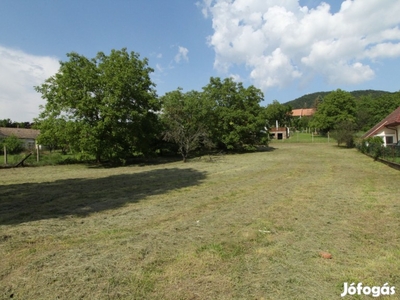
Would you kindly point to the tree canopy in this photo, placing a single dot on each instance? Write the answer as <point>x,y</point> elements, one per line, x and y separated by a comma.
<point>12,124</point>
<point>336,107</point>
<point>237,117</point>
<point>278,112</point>
<point>308,100</point>
<point>108,104</point>
<point>224,115</point>
<point>371,110</point>
<point>186,120</point>
<point>107,108</point>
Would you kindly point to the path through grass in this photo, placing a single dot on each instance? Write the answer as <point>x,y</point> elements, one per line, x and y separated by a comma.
<point>238,227</point>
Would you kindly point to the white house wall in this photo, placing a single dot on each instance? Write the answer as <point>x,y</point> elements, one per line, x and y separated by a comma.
<point>386,132</point>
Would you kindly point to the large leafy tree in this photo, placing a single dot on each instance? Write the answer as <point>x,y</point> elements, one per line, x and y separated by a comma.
<point>237,115</point>
<point>186,119</point>
<point>278,112</point>
<point>336,107</point>
<point>108,103</point>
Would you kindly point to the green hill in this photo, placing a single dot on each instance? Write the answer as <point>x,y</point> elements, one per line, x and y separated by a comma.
<point>307,101</point>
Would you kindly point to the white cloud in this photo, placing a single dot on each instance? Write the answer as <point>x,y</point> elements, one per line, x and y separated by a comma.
<point>19,73</point>
<point>204,5</point>
<point>235,77</point>
<point>383,50</point>
<point>182,55</point>
<point>279,41</point>
<point>159,68</point>
<point>273,70</point>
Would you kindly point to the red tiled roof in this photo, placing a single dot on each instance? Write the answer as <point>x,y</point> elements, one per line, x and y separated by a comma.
<point>303,112</point>
<point>391,120</point>
<point>21,133</point>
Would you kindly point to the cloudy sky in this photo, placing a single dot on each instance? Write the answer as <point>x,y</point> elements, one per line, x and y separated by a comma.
<point>287,48</point>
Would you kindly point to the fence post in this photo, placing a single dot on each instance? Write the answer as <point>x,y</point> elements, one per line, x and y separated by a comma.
<point>5,155</point>
<point>37,152</point>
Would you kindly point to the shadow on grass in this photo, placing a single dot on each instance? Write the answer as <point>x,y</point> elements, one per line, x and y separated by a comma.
<point>80,197</point>
<point>265,149</point>
<point>136,161</point>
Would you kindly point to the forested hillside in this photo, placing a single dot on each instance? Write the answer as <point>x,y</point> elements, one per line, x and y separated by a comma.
<point>370,106</point>
<point>309,100</point>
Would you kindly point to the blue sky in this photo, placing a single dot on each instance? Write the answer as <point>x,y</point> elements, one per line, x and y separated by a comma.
<point>287,48</point>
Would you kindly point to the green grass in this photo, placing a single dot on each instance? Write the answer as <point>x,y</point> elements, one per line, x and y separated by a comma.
<point>302,137</point>
<point>45,158</point>
<point>245,226</point>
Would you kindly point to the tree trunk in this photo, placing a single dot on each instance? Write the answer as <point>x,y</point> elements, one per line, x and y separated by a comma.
<point>184,154</point>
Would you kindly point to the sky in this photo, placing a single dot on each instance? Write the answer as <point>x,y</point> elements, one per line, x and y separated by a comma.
<point>286,48</point>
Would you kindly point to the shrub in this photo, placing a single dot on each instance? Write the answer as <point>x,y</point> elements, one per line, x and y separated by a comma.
<point>13,144</point>
<point>373,146</point>
<point>344,133</point>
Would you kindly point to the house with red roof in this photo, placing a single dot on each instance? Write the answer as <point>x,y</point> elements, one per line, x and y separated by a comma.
<point>303,112</point>
<point>388,129</point>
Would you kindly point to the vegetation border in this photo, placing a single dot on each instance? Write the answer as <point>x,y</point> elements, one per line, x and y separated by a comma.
<point>386,162</point>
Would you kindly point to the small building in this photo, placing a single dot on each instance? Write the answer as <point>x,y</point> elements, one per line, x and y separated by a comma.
<point>388,129</point>
<point>27,136</point>
<point>303,112</point>
<point>279,133</point>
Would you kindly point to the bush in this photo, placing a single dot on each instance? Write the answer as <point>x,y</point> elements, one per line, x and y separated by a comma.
<point>344,133</point>
<point>362,146</point>
<point>13,145</point>
<point>372,146</point>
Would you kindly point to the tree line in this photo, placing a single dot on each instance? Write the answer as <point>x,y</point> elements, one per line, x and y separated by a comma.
<point>308,100</point>
<point>344,115</point>
<point>13,124</point>
<point>107,108</point>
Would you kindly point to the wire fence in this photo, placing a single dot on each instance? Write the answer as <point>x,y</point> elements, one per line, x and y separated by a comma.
<point>44,158</point>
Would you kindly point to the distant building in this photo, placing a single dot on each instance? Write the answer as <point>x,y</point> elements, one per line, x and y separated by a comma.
<point>27,136</point>
<point>279,133</point>
<point>303,112</point>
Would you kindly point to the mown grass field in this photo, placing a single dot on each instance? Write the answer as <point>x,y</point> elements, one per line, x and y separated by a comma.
<point>303,137</point>
<point>245,226</point>
<point>45,158</point>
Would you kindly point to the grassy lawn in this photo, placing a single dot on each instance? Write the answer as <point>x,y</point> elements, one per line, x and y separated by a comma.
<point>45,158</point>
<point>302,137</point>
<point>245,226</point>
